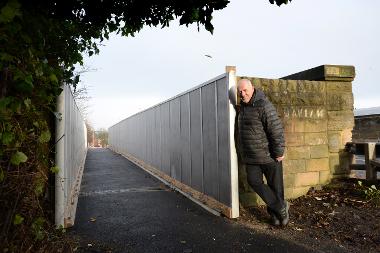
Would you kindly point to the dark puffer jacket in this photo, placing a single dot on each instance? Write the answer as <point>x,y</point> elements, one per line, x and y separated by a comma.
<point>260,130</point>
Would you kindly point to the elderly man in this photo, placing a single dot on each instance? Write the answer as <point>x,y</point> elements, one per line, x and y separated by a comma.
<point>262,148</point>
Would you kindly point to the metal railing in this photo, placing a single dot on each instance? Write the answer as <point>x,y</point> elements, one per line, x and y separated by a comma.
<point>370,163</point>
<point>71,150</point>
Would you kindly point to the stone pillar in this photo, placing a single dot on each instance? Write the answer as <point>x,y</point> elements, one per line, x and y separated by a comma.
<point>339,107</point>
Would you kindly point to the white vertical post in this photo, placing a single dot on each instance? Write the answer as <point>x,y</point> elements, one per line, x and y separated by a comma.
<point>60,160</point>
<point>231,79</point>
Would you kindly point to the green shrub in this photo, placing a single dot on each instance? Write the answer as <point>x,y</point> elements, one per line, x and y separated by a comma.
<point>371,193</point>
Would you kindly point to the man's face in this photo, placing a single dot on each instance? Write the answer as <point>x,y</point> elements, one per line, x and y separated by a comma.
<point>245,90</point>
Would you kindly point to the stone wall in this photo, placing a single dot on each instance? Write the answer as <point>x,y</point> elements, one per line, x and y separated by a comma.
<point>367,128</point>
<point>316,107</point>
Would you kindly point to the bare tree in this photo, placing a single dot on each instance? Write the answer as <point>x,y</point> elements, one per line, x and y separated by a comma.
<point>90,133</point>
<point>81,92</point>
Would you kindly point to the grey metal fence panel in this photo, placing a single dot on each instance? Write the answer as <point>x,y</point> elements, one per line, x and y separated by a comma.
<point>187,138</point>
<point>175,133</point>
<point>223,141</point>
<point>147,122</point>
<point>143,122</point>
<point>210,145</point>
<point>157,144</point>
<point>196,146</point>
<point>71,149</point>
<point>142,134</point>
<point>165,144</point>
<point>152,135</point>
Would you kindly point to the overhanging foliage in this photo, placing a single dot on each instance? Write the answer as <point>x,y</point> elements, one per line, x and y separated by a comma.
<point>41,41</point>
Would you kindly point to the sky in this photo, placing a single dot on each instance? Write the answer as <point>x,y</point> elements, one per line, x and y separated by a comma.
<point>262,40</point>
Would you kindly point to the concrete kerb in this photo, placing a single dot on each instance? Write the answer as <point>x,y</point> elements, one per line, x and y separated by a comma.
<point>74,194</point>
<point>214,212</point>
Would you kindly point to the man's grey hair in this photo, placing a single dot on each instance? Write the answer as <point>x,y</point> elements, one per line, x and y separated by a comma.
<point>244,80</point>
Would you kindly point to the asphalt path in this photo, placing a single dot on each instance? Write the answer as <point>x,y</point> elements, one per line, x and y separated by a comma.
<point>122,208</point>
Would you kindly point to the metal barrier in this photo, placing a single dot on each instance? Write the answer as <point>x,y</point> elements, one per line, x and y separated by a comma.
<point>71,150</point>
<point>371,163</point>
<point>188,142</point>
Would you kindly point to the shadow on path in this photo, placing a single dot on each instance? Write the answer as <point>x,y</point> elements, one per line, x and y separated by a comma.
<point>122,208</point>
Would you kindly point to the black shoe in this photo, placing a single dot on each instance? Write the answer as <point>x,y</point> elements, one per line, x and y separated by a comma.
<point>274,220</point>
<point>284,214</point>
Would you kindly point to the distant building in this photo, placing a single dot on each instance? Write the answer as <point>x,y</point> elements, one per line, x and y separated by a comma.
<point>367,125</point>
